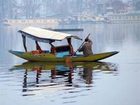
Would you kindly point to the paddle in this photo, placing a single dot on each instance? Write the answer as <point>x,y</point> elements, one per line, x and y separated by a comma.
<point>81,44</point>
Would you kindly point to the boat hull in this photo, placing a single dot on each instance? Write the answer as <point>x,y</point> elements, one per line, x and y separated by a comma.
<point>47,57</point>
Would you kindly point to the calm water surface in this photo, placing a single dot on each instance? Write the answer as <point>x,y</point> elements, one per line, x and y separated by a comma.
<point>113,81</point>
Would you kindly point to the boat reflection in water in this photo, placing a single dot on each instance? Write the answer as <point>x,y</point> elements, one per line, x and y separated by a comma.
<point>45,75</point>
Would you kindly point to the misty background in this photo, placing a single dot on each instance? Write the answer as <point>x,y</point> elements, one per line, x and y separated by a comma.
<point>29,9</point>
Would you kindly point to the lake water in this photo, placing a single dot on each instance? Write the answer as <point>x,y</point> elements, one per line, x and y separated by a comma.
<point>113,81</point>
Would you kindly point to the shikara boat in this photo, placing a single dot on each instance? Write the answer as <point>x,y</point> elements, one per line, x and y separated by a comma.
<point>48,36</point>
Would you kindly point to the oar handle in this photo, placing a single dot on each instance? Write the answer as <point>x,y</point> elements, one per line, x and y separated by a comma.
<point>82,43</point>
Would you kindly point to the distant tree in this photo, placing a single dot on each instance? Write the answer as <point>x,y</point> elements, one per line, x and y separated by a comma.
<point>1,9</point>
<point>117,5</point>
<point>7,8</point>
<point>137,5</point>
<point>30,8</point>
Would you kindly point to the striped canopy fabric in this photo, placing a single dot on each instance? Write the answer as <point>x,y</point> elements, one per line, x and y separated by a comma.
<point>44,35</point>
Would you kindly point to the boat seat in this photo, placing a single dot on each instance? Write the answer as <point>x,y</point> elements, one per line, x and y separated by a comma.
<point>36,52</point>
<point>62,51</point>
<point>63,48</point>
<point>46,51</point>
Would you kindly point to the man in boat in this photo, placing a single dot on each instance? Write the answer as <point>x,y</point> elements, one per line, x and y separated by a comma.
<point>87,47</point>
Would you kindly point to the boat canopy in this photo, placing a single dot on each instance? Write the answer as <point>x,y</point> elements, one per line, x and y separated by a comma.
<point>43,35</point>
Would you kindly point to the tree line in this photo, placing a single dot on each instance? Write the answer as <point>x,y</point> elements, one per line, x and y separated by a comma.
<point>15,9</point>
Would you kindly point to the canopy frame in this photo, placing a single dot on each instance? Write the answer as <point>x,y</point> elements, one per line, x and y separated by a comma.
<point>28,32</point>
<point>43,35</point>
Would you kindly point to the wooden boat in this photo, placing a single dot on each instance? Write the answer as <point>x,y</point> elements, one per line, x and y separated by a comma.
<point>47,57</point>
<point>48,36</point>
